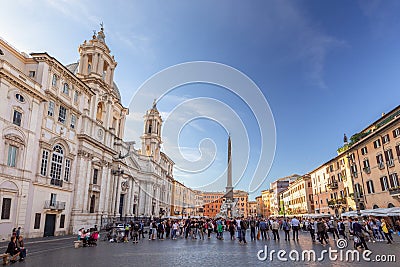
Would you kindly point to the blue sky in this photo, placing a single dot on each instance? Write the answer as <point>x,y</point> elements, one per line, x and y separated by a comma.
<point>325,67</point>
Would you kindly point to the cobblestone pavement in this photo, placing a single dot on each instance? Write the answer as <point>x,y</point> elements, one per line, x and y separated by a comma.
<point>188,252</point>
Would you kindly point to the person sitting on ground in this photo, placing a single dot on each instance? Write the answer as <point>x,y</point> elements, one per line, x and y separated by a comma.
<point>80,234</point>
<point>12,249</point>
<point>21,248</point>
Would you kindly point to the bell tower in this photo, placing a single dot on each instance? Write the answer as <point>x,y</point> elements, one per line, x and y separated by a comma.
<point>151,138</point>
<point>96,60</point>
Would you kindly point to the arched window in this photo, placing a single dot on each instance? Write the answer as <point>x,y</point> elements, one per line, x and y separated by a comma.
<point>375,207</point>
<point>390,205</point>
<point>56,165</point>
<point>89,68</point>
<point>99,114</point>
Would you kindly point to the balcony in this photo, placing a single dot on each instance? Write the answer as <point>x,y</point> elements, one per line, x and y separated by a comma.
<point>55,205</point>
<point>334,203</point>
<point>367,170</point>
<point>94,187</point>
<point>333,185</point>
<point>56,182</point>
<point>394,192</point>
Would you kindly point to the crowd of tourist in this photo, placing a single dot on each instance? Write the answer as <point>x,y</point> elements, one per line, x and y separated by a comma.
<point>319,229</point>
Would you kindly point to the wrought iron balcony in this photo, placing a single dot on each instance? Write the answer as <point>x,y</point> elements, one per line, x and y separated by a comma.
<point>394,192</point>
<point>367,170</point>
<point>333,203</point>
<point>55,205</point>
<point>56,182</point>
<point>333,185</point>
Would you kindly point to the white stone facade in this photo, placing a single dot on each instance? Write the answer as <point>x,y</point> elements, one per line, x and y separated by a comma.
<point>63,162</point>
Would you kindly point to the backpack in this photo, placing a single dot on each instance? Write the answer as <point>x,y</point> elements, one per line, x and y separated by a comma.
<point>252,224</point>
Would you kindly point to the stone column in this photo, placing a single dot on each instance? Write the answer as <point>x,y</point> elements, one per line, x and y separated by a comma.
<point>95,62</point>
<point>111,75</point>
<point>142,200</point>
<point>103,188</point>
<point>83,65</point>
<point>112,194</point>
<point>117,194</point>
<point>128,207</point>
<point>85,202</point>
<point>79,183</point>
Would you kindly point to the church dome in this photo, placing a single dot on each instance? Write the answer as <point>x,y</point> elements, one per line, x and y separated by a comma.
<point>73,67</point>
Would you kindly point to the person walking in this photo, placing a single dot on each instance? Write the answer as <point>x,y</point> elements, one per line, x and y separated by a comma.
<point>358,233</point>
<point>232,230</point>
<point>252,229</point>
<point>141,229</point>
<point>135,231</point>
<point>126,232</point>
<point>385,230</point>
<point>332,227</point>
<point>275,229</point>
<point>311,229</point>
<point>379,224</point>
<point>263,229</point>
<point>286,228</point>
<point>239,229</point>
<point>175,227</point>
<point>342,229</point>
<point>243,228</point>
<point>210,228</point>
<point>168,228</point>
<point>295,227</point>
<point>321,231</point>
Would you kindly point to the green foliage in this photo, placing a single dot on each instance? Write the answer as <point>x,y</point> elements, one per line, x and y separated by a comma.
<point>353,139</point>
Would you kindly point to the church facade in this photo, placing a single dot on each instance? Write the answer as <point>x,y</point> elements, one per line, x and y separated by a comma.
<point>64,163</point>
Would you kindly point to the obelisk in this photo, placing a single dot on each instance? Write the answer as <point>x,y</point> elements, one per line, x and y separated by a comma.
<point>229,188</point>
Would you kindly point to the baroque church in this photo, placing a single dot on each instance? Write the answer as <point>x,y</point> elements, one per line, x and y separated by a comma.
<point>64,163</point>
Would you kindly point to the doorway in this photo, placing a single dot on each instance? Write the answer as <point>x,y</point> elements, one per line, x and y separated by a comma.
<point>50,225</point>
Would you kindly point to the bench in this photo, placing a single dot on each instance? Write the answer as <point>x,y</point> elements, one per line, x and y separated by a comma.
<point>5,257</point>
<point>78,243</point>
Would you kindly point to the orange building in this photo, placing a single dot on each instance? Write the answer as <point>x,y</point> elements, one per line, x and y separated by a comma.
<point>252,210</point>
<point>213,201</point>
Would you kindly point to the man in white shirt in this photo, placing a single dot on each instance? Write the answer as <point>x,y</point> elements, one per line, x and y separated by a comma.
<point>295,228</point>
